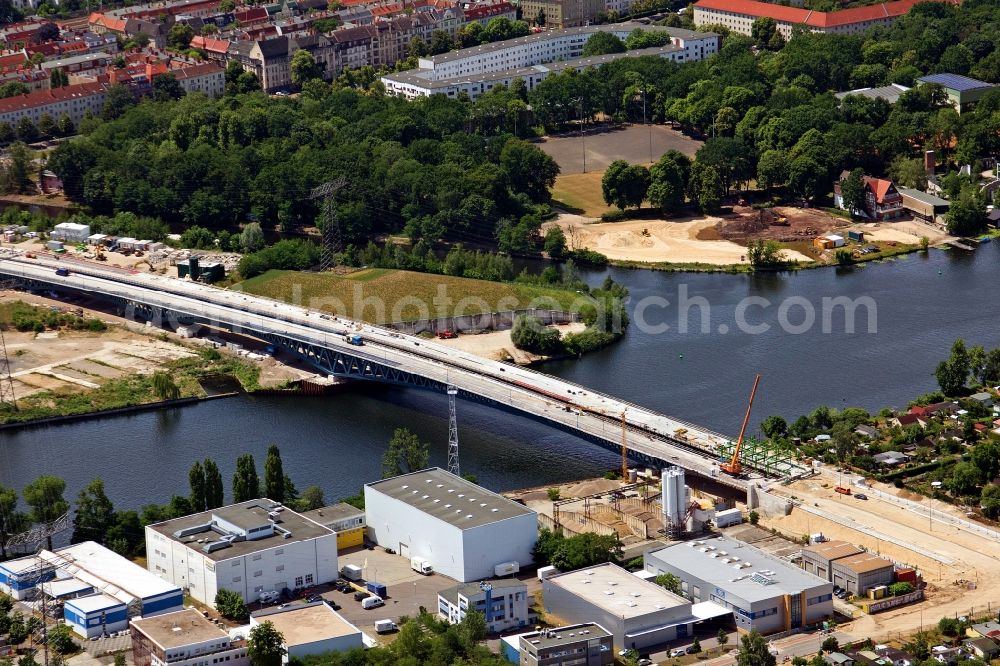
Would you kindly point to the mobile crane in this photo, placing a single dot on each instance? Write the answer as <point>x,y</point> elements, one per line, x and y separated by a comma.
<point>733,466</point>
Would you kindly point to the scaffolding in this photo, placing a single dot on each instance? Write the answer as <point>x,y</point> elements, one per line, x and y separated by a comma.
<point>762,456</point>
<point>452,433</point>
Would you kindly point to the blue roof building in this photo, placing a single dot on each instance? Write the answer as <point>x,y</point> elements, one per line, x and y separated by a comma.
<point>962,91</point>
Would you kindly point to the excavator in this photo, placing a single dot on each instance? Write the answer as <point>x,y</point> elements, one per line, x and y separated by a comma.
<point>734,467</point>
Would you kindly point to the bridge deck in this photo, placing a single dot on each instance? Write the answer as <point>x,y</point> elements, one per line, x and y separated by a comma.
<point>652,436</point>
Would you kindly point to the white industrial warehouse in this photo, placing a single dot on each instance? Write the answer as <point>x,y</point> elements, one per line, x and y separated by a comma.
<point>100,589</point>
<point>249,548</point>
<point>761,591</point>
<point>637,612</point>
<point>462,529</point>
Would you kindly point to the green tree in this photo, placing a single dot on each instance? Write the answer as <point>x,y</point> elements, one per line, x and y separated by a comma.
<point>304,67</point>
<point>527,169</point>
<point>213,485</point>
<point>164,386</point>
<point>252,237</point>
<point>95,514</point>
<point>587,549</point>
<point>772,168</point>
<point>274,475</point>
<point>754,651</point>
<point>952,373</point>
<point>246,484</point>
<point>989,500</point>
<point>806,177</point>
<point>61,639</point>
<point>46,126</point>
<point>964,480</point>
<point>967,214</point>
<point>555,243</point>
<point>180,36</point>
<point>722,638</point>
<point>120,656</point>
<point>166,87</point>
<point>852,191</point>
<point>312,498</point>
<point>695,646</point>
<point>753,517</point>
<point>908,172</point>
<point>949,626</point>
<point>774,426</point>
<point>668,180</point>
<point>45,497</point>
<point>669,581</point>
<point>405,454</point>
<point>601,43</point>
<point>15,178</point>
<point>441,42</point>
<point>26,130</point>
<point>530,334</point>
<point>117,101</point>
<point>708,190</point>
<point>12,521</point>
<point>762,31</point>
<point>764,254</point>
<point>65,126</point>
<point>230,605</point>
<point>196,482</point>
<point>624,184</point>
<point>265,646</point>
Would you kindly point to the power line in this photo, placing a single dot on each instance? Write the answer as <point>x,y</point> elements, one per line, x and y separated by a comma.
<point>333,243</point>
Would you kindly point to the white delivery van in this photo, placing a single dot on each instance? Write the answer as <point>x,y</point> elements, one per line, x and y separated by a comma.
<point>372,602</point>
<point>506,569</point>
<point>351,572</point>
<point>384,626</point>
<point>268,597</point>
<point>421,566</point>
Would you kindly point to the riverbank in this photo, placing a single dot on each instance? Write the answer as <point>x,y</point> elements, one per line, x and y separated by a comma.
<point>497,345</point>
<point>714,244</point>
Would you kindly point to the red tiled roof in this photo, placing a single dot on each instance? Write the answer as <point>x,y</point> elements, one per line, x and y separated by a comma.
<point>879,186</point>
<point>811,18</point>
<point>251,15</point>
<point>210,44</point>
<point>43,97</point>
<point>196,70</point>
<point>12,60</point>
<point>109,22</point>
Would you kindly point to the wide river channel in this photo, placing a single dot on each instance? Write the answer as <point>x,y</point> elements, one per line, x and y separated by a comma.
<point>699,368</point>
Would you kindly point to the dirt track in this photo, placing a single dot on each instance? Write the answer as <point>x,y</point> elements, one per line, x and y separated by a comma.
<point>976,558</point>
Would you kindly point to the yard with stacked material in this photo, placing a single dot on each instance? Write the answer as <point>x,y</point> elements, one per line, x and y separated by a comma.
<point>380,295</point>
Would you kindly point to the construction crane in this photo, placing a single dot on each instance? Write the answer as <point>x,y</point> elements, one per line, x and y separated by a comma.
<point>733,466</point>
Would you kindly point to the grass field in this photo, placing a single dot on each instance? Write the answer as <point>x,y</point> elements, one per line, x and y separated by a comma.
<point>379,295</point>
<point>580,193</point>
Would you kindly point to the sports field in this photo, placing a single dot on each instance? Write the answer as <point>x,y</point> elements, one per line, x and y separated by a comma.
<point>580,193</point>
<point>379,295</point>
<point>635,144</point>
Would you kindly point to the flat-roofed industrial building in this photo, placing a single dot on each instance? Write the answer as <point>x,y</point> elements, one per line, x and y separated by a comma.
<point>311,629</point>
<point>818,558</point>
<point>462,529</point>
<point>859,573</point>
<point>762,591</point>
<point>249,548</point>
<point>637,612</point>
<point>586,644</point>
<point>184,638</point>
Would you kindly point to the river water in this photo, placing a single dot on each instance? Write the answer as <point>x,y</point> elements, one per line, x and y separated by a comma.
<point>922,303</point>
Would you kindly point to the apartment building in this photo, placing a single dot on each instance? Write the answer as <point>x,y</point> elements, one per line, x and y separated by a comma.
<point>75,101</point>
<point>739,15</point>
<point>208,78</point>
<point>562,13</point>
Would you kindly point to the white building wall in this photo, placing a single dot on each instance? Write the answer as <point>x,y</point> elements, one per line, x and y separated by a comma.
<point>397,525</point>
<point>508,540</point>
<point>236,657</point>
<point>312,561</point>
<point>338,644</point>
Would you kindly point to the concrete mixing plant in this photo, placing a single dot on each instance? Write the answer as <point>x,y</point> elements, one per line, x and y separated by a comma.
<point>674,498</point>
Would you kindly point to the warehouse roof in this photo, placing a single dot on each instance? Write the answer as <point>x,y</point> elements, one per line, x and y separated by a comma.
<point>832,550</point>
<point>450,498</point>
<point>469,590</point>
<point>108,572</point>
<point>543,640</point>
<point>923,197</point>
<point>333,513</point>
<point>307,623</point>
<point>199,529</point>
<point>177,629</point>
<point>863,563</point>
<point>618,592</point>
<point>955,82</point>
<point>890,93</point>
<point>93,603</point>
<point>737,568</point>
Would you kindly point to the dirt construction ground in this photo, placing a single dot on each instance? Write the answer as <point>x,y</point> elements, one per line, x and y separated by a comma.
<point>972,561</point>
<point>631,144</point>
<point>496,345</point>
<point>677,240</point>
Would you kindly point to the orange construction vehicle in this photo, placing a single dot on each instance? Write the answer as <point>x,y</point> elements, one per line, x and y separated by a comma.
<point>733,466</point>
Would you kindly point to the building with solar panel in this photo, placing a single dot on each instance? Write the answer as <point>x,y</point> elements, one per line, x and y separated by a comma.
<point>963,92</point>
<point>764,593</point>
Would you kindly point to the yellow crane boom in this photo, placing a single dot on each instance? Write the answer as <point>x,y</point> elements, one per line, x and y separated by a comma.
<point>733,466</point>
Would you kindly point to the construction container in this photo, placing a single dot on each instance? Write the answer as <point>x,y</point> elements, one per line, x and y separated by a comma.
<point>506,569</point>
<point>378,589</point>
<point>54,245</point>
<point>547,572</point>
<point>878,592</point>
<point>857,236</point>
<point>906,575</point>
<point>728,517</point>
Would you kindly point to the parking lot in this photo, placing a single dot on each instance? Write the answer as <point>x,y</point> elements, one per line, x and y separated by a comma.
<point>407,589</point>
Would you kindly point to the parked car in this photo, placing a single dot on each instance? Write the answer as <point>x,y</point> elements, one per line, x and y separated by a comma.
<point>359,596</point>
<point>314,597</point>
<point>861,496</point>
<point>691,649</point>
<point>678,652</point>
